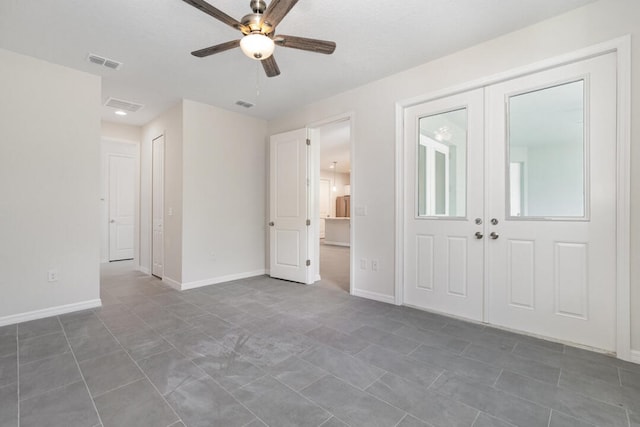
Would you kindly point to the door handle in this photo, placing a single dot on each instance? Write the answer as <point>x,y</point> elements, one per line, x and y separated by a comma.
<point>271,224</point>
<point>112,221</point>
<point>494,235</point>
<point>479,235</point>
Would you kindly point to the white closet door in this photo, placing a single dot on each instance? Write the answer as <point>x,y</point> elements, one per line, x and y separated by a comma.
<point>444,246</point>
<point>552,262</point>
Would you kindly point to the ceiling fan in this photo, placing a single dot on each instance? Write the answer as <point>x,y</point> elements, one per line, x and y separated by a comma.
<point>259,29</point>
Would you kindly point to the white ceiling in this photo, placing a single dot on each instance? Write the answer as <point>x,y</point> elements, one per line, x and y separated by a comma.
<point>153,39</point>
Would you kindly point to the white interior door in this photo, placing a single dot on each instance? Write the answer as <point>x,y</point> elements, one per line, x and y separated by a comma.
<point>443,163</point>
<point>552,264</point>
<point>157,207</point>
<point>289,218</point>
<point>122,172</point>
<point>325,204</point>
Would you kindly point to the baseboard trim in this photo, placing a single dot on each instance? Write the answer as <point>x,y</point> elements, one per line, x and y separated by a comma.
<point>173,283</point>
<point>221,279</point>
<point>635,356</point>
<point>145,270</point>
<point>373,295</point>
<point>48,312</point>
<point>330,242</point>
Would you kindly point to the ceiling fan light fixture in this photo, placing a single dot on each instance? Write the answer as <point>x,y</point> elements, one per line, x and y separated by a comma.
<point>257,46</point>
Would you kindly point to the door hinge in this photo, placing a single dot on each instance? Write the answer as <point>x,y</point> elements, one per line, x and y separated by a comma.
<point>308,141</point>
<point>308,222</point>
<point>308,262</point>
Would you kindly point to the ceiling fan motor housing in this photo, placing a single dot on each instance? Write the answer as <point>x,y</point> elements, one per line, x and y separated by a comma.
<point>253,22</point>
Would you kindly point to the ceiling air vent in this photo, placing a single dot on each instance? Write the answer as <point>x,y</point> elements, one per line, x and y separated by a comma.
<point>244,104</point>
<point>123,105</point>
<point>105,62</point>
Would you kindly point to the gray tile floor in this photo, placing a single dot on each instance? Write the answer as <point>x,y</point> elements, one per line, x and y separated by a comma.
<point>262,352</point>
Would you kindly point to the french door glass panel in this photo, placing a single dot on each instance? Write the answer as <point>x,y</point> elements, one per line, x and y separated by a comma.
<point>442,169</point>
<point>546,152</point>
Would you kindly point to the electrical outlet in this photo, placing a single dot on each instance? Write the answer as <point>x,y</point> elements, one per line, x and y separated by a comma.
<point>52,275</point>
<point>363,264</point>
<point>374,265</point>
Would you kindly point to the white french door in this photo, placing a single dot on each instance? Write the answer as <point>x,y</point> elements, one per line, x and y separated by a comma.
<point>289,218</point>
<point>510,204</point>
<point>443,268</point>
<point>552,267</point>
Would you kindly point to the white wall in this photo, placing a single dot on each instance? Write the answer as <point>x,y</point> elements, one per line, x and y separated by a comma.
<point>374,109</point>
<point>121,132</point>
<point>168,124</point>
<point>224,198</point>
<point>49,181</point>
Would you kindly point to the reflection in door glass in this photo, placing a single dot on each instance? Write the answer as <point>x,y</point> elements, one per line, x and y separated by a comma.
<point>546,152</point>
<point>442,160</point>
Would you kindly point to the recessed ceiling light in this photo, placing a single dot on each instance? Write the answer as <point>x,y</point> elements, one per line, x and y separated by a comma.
<point>121,113</point>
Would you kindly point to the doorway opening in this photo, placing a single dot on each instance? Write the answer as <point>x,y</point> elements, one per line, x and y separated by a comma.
<point>333,207</point>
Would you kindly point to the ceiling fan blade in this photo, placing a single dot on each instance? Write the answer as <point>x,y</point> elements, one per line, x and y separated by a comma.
<point>277,10</point>
<point>216,49</point>
<point>270,67</point>
<point>312,45</point>
<point>216,13</point>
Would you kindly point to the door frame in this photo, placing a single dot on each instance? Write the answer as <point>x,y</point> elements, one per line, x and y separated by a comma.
<point>622,47</point>
<point>315,192</point>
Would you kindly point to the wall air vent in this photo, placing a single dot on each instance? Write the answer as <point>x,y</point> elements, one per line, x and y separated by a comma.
<point>121,104</point>
<point>105,62</point>
<point>244,104</point>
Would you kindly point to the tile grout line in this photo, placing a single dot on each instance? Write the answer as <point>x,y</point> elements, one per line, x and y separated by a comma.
<point>18,369</point>
<point>138,366</point>
<point>64,332</point>
<point>476,418</point>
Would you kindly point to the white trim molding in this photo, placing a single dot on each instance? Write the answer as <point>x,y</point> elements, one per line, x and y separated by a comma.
<point>48,312</point>
<point>220,279</point>
<point>173,283</point>
<point>622,47</point>
<point>373,295</point>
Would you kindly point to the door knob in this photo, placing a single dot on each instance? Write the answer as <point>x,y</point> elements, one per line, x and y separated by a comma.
<point>479,235</point>
<point>112,221</point>
<point>494,221</point>
<point>494,235</point>
<point>478,221</point>
<point>271,224</point>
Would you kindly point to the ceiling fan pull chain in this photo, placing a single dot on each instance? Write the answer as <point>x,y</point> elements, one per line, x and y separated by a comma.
<point>257,78</point>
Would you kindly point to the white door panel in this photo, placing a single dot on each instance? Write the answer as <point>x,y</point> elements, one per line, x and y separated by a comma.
<point>559,275</point>
<point>543,184</point>
<point>121,206</point>
<point>444,260</point>
<point>289,205</point>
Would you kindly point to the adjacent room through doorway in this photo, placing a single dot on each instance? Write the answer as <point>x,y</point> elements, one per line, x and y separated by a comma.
<point>335,204</point>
